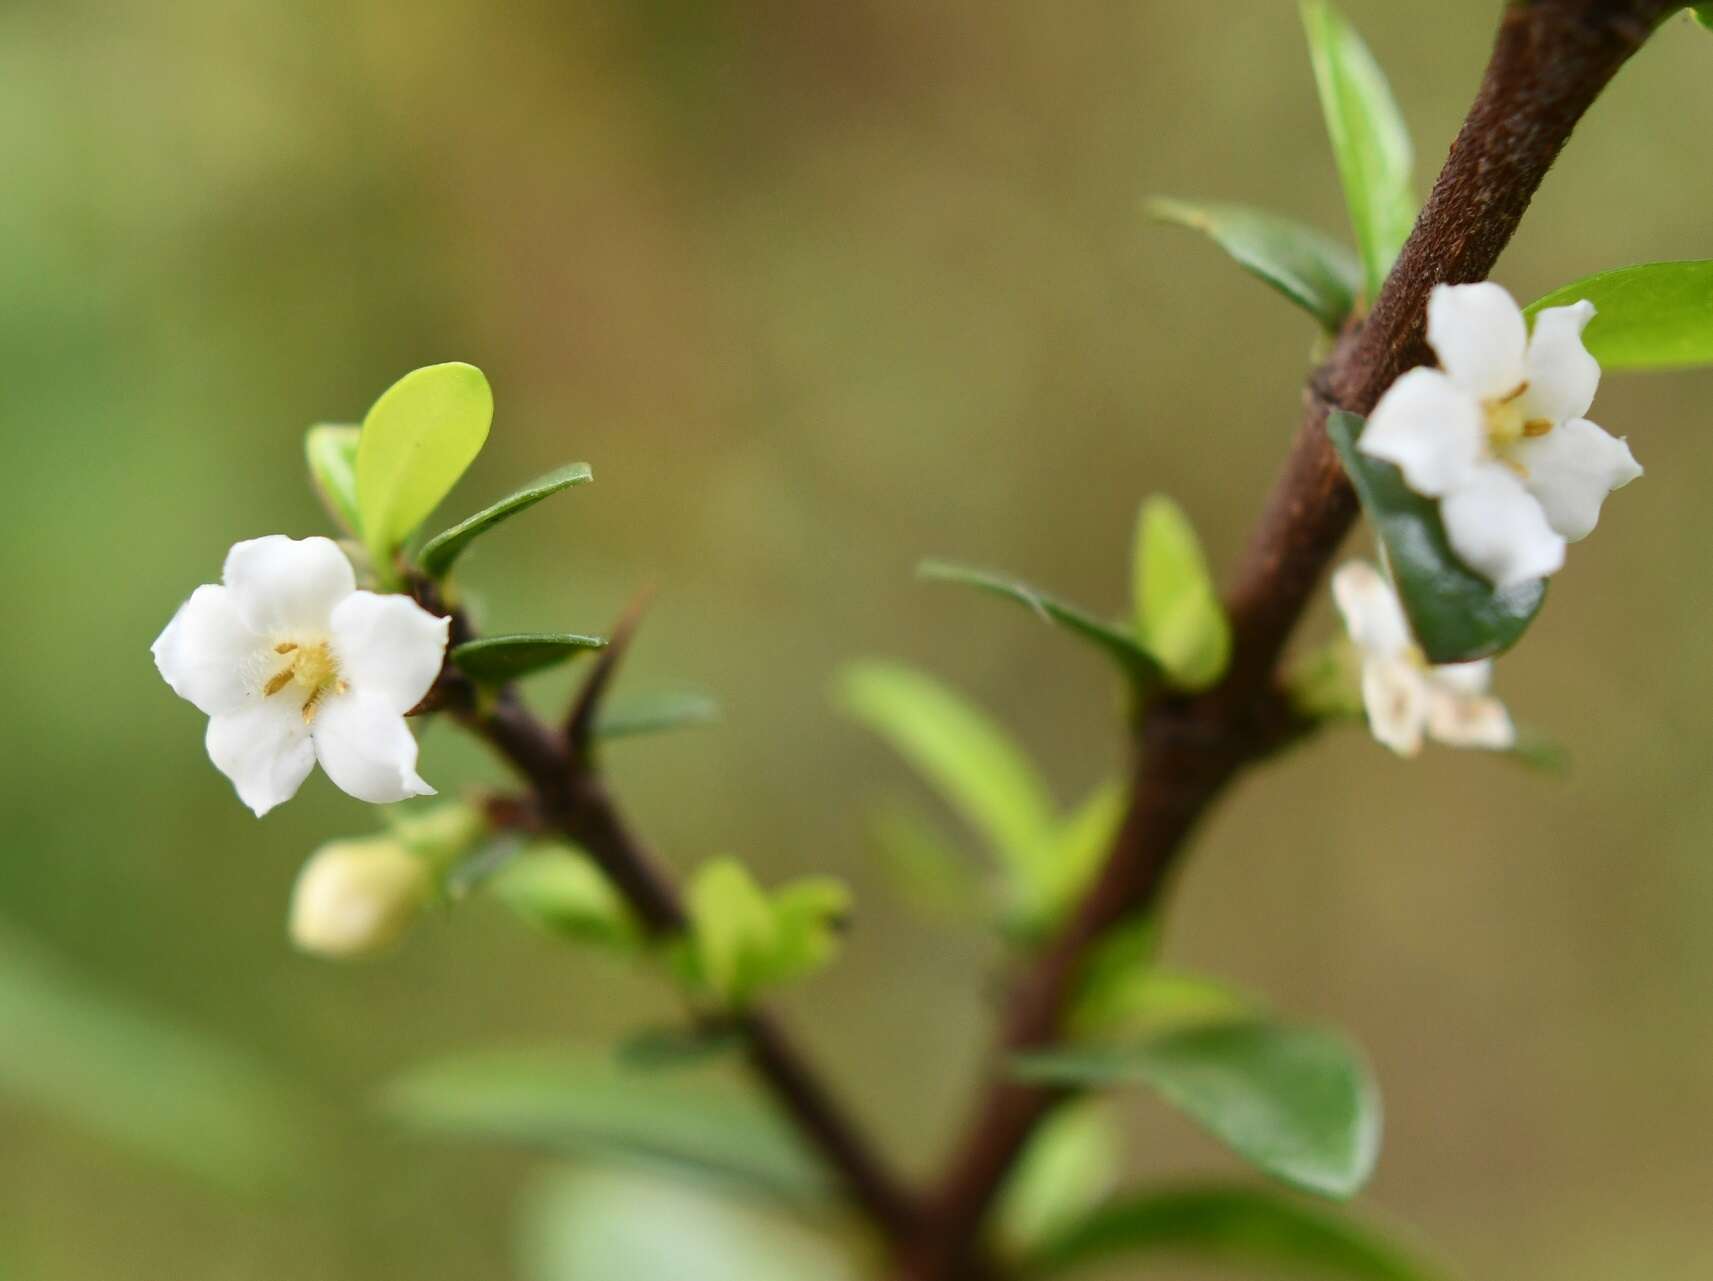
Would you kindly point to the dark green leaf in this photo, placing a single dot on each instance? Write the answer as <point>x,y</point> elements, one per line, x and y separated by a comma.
<point>445,547</point>
<point>1456,614</point>
<point>1703,14</point>
<point>1137,663</point>
<point>1658,315</point>
<point>655,713</point>
<point>1369,139</point>
<point>577,1103</point>
<point>1296,1102</point>
<point>494,660</point>
<point>331,450</point>
<point>1312,270</point>
<point>1238,1225</point>
<point>657,1048</point>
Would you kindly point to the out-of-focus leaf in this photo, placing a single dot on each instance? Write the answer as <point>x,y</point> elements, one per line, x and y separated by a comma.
<point>1325,684</point>
<point>1311,269</point>
<point>612,1225</point>
<point>1658,315</point>
<point>1369,139</point>
<point>1540,751</point>
<point>1238,1225</point>
<point>1071,860</point>
<point>1113,641</point>
<point>1070,1166</point>
<point>655,713</point>
<point>1456,614</point>
<point>1703,14</point>
<point>1179,619</point>
<point>417,440</point>
<point>746,940</point>
<point>585,1104</point>
<point>966,757</point>
<point>561,892</point>
<point>136,1079</point>
<point>678,1046</point>
<point>925,865</point>
<point>1146,1000</point>
<point>439,552</point>
<point>1298,1103</point>
<point>494,660</point>
<point>1130,949</point>
<point>331,451</point>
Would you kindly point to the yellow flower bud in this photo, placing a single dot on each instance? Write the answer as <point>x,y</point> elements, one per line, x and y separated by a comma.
<point>357,897</point>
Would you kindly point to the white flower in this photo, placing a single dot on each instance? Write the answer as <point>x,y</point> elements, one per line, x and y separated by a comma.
<point>1407,699</point>
<point>357,898</point>
<point>1497,433</point>
<point>293,664</point>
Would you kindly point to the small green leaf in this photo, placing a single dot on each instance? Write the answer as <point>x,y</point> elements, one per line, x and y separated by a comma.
<point>1237,1225</point>
<point>561,892</point>
<point>331,450</point>
<point>1297,1103</point>
<point>1703,14</point>
<point>439,552</point>
<point>1456,614</point>
<point>661,1048</point>
<point>1539,751</point>
<point>494,660</point>
<point>1146,1000</point>
<point>1136,662</point>
<point>1369,139</point>
<point>1658,315</point>
<point>1063,869</point>
<point>655,713</point>
<point>585,1104</point>
<point>968,759</point>
<point>1179,619</point>
<point>924,864</point>
<point>417,441</point>
<point>746,940</point>
<point>1069,1167</point>
<point>1314,271</point>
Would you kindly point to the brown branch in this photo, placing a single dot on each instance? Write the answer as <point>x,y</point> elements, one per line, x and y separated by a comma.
<point>1550,61</point>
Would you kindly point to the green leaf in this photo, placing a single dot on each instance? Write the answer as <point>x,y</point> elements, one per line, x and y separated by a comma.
<point>678,1046</point>
<point>1071,860</point>
<point>1296,1102</point>
<point>967,758</point>
<point>746,940</point>
<point>561,892</point>
<point>1179,619</point>
<point>439,552</point>
<point>331,451</point>
<point>1068,1168</point>
<point>1456,614</point>
<point>1539,751</point>
<point>1314,271</point>
<point>655,713</point>
<point>924,865</point>
<point>1658,315</point>
<point>1369,139</point>
<point>136,1079</point>
<point>1703,14</point>
<point>494,660</point>
<point>417,441</point>
<point>1238,1225</point>
<point>1146,1000</point>
<point>1135,661</point>
<point>583,1104</point>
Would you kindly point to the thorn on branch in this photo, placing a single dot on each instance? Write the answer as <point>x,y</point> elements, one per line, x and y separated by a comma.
<point>580,725</point>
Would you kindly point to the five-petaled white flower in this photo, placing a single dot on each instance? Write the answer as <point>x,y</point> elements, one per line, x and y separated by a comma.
<point>1497,434</point>
<point>1404,696</point>
<point>293,664</point>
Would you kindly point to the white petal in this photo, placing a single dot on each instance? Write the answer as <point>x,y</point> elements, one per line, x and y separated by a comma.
<point>264,748</point>
<point>1563,377</point>
<point>286,585</point>
<point>1464,678</point>
<point>1499,530</point>
<point>1395,695</point>
<point>1477,331</point>
<point>1430,428</point>
<point>1465,720</point>
<point>206,650</point>
<point>367,749</point>
<point>389,648</point>
<point>1372,614</point>
<point>1571,469</point>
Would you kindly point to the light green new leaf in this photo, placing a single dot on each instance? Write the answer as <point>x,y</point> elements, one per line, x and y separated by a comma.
<point>421,435</point>
<point>1297,1103</point>
<point>1179,619</point>
<point>1058,876</point>
<point>1456,614</point>
<point>809,915</point>
<point>1369,139</point>
<point>561,892</point>
<point>585,1104</point>
<point>1135,661</point>
<point>1238,1225</point>
<point>1069,1167</point>
<point>494,660</point>
<point>655,713</point>
<point>1311,269</point>
<point>734,928</point>
<point>331,451</point>
<point>924,864</point>
<point>1145,1000</point>
<point>968,759</point>
<point>439,552</point>
<point>1658,315</point>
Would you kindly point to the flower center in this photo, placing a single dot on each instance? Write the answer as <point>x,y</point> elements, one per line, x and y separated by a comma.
<point>309,669</point>
<point>1506,424</point>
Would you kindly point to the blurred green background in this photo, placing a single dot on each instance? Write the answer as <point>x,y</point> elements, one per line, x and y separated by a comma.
<point>817,289</point>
